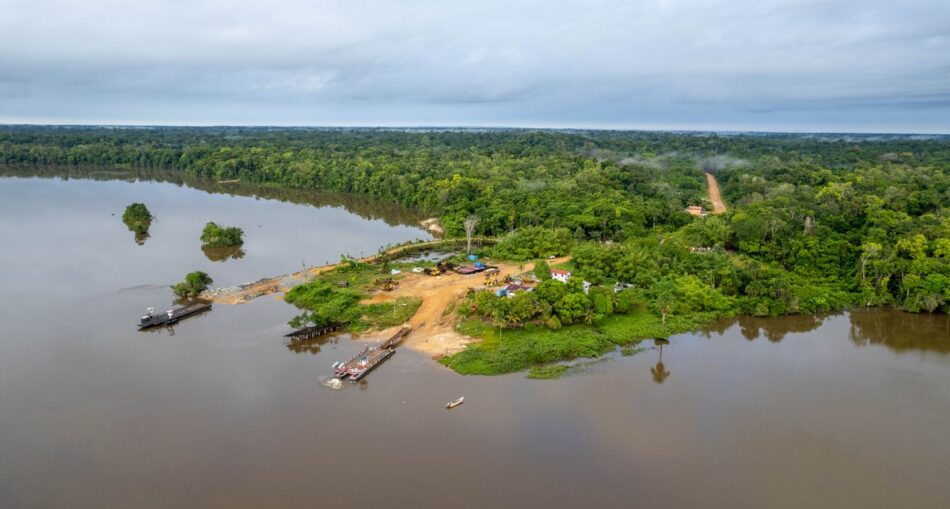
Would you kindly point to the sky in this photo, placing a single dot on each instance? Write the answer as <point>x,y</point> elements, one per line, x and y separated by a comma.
<point>766,65</point>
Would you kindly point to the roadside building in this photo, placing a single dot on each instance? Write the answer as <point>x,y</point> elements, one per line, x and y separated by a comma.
<point>560,275</point>
<point>696,210</point>
<point>510,290</point>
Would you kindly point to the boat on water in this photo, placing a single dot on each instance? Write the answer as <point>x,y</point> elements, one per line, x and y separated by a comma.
<point>453,404</point>
<point>172,316</point>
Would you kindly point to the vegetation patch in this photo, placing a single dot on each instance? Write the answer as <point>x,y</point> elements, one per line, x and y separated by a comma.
<point>138,218</point>
<point>547,372</point>
<point>336,296</point>
<point>214,236</point>
<point>380,315</point>
<point>508,350</point>
<point>194,283</point>
<point>630,351</point>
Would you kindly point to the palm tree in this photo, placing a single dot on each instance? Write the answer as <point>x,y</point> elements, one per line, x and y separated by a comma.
<point>589,317</point>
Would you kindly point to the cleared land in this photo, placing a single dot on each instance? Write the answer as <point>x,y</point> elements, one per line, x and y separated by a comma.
<point>433,325</point>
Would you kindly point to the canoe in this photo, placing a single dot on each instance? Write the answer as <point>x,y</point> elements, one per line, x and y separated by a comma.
<point>453,404</point>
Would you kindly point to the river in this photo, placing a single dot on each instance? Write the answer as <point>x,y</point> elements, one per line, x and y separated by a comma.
<point>847,410</point>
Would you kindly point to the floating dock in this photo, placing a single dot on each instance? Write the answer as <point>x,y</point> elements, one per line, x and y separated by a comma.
<point>369,358</point>
<point>172,316</point>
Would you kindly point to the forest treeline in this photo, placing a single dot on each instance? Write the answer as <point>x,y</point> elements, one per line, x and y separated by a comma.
<point>814,224</point>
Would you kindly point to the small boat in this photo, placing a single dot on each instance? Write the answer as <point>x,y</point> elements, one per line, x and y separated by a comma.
<point>453,404</point>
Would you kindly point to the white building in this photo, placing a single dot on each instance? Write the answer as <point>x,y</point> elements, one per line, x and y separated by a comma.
<point>560,275</point>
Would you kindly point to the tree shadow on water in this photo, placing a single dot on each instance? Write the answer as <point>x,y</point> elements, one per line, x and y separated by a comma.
<point>221,254</point>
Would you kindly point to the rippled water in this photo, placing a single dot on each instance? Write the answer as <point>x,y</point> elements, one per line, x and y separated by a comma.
<point>849,410</point>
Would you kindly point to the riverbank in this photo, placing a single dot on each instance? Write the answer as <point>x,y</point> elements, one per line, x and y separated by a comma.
<point>502,351</point>
<point>247,292</point>
<point>465,343</point>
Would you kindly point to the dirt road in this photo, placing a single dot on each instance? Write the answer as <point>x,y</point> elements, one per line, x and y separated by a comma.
<point>718,206</point>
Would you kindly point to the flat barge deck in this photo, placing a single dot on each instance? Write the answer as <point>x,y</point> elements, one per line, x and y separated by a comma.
<point>369,358</point>
<point>172,316</point>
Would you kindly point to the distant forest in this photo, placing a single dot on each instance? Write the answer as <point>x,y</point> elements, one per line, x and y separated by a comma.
<point>814,223</point>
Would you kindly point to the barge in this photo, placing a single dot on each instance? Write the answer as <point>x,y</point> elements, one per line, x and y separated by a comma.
<point>172,316</point>
<point>368,358</point>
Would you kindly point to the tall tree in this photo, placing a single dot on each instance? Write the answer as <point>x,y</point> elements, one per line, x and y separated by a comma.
<point>470,223</point>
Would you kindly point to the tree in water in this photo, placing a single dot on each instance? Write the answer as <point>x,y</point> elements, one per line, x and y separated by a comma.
<point>138,218</point>
<point>194,283</point>
<point>221,236</point>
<point>470,223</point>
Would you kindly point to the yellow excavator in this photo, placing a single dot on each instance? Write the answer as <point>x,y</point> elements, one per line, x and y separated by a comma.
<point>385,284</point>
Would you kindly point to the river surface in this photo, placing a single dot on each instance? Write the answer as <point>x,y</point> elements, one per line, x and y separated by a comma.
<point>849,410</point>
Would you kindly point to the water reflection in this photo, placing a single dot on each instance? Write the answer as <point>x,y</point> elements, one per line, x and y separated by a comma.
<point>220,254</point>
<point>139,230</point>
<point>391,214</point>
<point>311,346</point>
<point>773,328</point>
<point>659,372</point>
<point>900,331</point>
<point>140,237</point>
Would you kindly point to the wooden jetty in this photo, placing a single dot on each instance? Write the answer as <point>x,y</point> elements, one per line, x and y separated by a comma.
<point>312,332</point>
<point>172,316</point>
<point>369,358</point>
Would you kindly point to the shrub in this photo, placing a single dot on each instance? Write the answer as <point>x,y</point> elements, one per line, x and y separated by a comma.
<point>221,236</point>
<point>194,283</point>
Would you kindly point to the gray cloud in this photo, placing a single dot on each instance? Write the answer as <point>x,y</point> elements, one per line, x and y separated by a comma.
<point>862,65</point>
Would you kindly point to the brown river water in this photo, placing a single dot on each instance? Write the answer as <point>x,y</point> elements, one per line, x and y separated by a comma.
<point>848,410</point>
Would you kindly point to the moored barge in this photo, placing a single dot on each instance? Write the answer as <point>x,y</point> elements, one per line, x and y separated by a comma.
<point>368,358</point>
<point>172,316</point>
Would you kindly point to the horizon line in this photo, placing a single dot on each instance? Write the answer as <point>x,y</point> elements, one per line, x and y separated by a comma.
<point>529,127</point>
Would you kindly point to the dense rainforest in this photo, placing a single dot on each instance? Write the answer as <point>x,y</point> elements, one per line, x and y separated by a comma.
<point>814,223</point>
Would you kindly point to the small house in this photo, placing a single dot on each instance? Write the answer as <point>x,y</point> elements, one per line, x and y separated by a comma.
<point>696,210</point>
<point>511,289</point>
<point>560,275</point>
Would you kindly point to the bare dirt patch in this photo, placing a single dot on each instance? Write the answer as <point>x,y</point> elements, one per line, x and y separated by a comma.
<point>433,330</point>
<point>718,206</point>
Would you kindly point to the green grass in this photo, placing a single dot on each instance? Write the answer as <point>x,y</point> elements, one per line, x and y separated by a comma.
<point>532,345</point>
<point>630,351</point>
<point>450,308</point>
<point>386,314</point>
<point>331,302</point>
<point>548,372</point>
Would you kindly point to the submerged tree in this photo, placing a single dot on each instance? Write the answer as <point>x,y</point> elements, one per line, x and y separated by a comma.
<point>194,283</point>
<point>221,236</point>
<point>138,218</point>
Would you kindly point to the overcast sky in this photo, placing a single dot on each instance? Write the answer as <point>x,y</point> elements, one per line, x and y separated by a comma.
<point>792,65</point>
